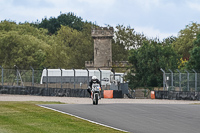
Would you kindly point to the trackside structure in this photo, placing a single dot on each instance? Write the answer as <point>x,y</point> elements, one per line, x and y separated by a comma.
<point>79,76</point>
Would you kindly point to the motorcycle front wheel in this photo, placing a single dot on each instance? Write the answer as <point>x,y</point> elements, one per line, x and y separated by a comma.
<point>96,98</point>
<point>93,99</point>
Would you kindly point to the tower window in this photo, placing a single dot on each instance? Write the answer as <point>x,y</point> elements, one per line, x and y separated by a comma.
<point>96,50</point>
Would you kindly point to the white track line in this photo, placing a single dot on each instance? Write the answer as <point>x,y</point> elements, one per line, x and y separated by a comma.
<point>83,118</point>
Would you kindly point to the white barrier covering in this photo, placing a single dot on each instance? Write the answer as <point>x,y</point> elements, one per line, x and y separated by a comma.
<point>106,74</point>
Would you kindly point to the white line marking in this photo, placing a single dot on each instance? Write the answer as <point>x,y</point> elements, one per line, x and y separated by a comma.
<point>83,118</point>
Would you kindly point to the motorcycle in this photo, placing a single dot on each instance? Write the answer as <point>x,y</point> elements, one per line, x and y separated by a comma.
<point>95,93</point>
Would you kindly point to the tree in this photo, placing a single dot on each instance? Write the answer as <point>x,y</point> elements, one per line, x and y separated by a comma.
<point>169,40</point>
<point>22,45</point>
<point>71,50</point>
<point>54,24</point>
<point>71,20</point>
<point>194,60</point>
<point>21,50</point>
<point>146,63</point>
<point>186,37</point>
<point>125,39</point>
<point>25,45</point>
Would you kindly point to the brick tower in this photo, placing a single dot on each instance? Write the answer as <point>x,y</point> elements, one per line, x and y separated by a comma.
<point>102,48</point>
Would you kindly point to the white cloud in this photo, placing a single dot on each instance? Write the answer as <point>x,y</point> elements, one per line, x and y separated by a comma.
<point>155,18</point>
<point>99,2</point>
<point>148,4</point>
<point>22,13</point>
<point>151,32</point>
<point>194,5</point>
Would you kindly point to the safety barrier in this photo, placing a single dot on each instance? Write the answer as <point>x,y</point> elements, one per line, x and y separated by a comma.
<point>67,92</point>
<point>108,93</point>
<point>29,90</point>
<point>152,94</point>
<point>175,95</point>
<point>112,94</point>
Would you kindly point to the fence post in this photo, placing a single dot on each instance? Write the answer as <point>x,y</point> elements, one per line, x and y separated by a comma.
<point>172,78</point>
<point>17,74</point>
<point>2,75</point>
<point>47,90</point>
<point>179,79</point>
<point>88,76</point>
<point>100,74</point>
<point>195,79</point>
<point>61,77</point>
<point>164,80</point>
<point>112,70</point>
<point>74,76</point>
<point>32,76</point>
<point>188,80</point>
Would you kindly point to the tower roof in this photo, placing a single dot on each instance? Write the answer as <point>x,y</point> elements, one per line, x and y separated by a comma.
<point>102,32</point>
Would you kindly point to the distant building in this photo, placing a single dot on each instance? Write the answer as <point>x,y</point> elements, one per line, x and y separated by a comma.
<point>102,48</point>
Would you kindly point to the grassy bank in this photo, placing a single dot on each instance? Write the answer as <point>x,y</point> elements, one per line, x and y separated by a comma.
<point>27,117</point>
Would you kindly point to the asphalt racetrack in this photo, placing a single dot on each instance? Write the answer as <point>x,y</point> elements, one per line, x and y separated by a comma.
<point>139,118</point>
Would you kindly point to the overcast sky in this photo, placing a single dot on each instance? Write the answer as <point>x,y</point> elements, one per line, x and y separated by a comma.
<point>155,18</point>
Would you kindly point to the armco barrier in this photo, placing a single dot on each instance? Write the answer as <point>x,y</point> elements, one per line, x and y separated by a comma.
<point>67,92</point>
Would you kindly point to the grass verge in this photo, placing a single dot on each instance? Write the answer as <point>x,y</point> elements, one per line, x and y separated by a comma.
<point>27,117</point>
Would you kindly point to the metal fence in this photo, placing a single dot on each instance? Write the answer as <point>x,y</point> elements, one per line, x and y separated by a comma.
<point>181,81</point>
<point>33,78</point>
<point>16,77</point>
<point>54,82</point>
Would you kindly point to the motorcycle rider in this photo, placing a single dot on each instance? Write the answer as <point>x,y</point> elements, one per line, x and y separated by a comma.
<point>93,80</point>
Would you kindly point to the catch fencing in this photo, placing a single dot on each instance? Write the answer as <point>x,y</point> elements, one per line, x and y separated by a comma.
<point>179,81</point>
<point>31,82</point>
<point>41,82</point>
<point>34,78</point>
<point>180,85</point>
<point>16,77</point>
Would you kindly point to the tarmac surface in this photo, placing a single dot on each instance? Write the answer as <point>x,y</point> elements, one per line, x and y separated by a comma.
<point>131,115</point>
<point>139,118</point>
